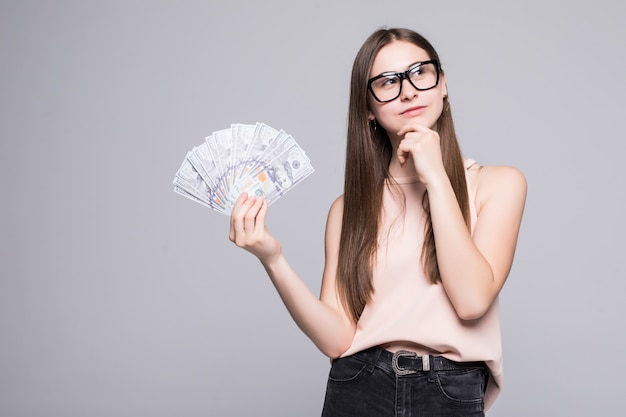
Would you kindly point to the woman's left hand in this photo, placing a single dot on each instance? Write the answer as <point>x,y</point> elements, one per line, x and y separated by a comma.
<point>423,145</point>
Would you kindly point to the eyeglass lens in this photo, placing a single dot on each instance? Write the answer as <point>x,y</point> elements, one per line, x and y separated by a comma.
<point>388,86</point>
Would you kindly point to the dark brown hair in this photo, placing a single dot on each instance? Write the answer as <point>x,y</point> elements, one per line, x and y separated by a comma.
<point>368,154</point>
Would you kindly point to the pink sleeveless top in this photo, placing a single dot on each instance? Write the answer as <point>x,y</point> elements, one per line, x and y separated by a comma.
<point>407,311</point>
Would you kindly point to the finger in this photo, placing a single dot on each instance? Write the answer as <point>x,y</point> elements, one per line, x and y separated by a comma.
<point>251,214</point>
<point>260,218</point>
<point>402,156</point>
<point>243,197</point>
<point>412,127</point>
<point>239,212</point>
<point>240,200</point>
<point>242,205</point>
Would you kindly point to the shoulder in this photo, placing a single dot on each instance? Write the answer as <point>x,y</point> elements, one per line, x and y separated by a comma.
<point>335,216</point>
<point>333,226</point>
<point>499,182</point>
<point>501,175</point>
<point>336,208</point>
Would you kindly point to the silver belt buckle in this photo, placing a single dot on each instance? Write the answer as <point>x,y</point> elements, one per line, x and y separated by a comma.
<point>396,367</point>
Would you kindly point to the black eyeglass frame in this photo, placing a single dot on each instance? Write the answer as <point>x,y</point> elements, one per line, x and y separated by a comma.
<point>404,75</point>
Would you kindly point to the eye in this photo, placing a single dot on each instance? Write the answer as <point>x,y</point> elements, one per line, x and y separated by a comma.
<point>388,81</point>
<point>416,71</point>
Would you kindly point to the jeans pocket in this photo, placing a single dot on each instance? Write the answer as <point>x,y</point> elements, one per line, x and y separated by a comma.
<point>346,369</point>
<point>462,385</point>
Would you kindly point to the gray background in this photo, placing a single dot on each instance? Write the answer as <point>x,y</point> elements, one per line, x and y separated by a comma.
<point>120,298</point>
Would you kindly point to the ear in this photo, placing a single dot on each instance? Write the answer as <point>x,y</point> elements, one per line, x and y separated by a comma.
<point>370,116</point>
<point>444,85</point>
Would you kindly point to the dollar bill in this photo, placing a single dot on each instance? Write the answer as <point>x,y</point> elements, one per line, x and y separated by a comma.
<point>255,159</point>
<point>191,182</point>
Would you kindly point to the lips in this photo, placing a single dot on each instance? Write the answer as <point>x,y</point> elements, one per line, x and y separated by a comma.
<point>413,111</point>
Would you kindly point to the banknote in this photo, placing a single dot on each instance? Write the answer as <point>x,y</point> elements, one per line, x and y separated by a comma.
<point>252,158</point>
<point>189,180</point>
<point>283,167</point>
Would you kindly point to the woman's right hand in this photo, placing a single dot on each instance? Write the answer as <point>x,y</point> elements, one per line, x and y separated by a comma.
<point>248,230</point>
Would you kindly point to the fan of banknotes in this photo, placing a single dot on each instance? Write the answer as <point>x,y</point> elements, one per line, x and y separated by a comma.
<point>256,159</point>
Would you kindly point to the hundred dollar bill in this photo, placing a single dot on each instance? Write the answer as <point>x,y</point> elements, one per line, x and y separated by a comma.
<point>261,149</point>
<point>262,137</point>
<point>261,184</point>
<point>256,159</point>
<point>287,168</point>
<point>221,147</point>
<point>190,181</point>
<point>244,137</point>
<point>217,163</point>
<point>190,196</point>
<point>208,168</point>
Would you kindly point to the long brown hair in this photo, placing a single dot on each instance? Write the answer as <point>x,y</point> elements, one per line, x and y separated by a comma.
<point>368,154</point>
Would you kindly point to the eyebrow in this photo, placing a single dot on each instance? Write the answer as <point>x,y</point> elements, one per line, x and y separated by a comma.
<point>400,72</point>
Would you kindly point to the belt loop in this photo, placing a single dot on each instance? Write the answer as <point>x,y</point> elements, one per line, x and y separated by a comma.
<point>431,367</point>
<point>374,360</point>
<point>426,363</point>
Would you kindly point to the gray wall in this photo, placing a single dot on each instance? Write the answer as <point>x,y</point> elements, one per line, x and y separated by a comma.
<point>120,298</point>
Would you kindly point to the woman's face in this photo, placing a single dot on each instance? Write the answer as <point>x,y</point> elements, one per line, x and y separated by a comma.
<point>423,107</point>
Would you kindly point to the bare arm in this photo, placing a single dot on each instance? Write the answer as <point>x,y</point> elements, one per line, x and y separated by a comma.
<point>473,267</point>
<point>323,320</point>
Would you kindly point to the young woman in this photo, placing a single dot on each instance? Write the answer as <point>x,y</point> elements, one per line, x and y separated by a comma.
<point>417,248</point>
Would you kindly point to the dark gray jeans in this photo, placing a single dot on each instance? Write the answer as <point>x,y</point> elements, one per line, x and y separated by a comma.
<point>378,383</point>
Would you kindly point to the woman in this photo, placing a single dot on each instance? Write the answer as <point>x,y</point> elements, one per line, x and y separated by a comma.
<point>417,248</point>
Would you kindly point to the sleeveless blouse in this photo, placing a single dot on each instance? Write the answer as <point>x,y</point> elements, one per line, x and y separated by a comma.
<point>407,311</point>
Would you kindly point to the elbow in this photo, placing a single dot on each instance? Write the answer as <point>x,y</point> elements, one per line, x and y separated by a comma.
<point>474,301</point>
<point>472,311</point>
<point>333,353</point>
<point>336,347</point>
<point>470,315</point>
<point>335,350</point>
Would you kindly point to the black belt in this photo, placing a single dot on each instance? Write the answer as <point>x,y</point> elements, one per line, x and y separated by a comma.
<point>405,362</point>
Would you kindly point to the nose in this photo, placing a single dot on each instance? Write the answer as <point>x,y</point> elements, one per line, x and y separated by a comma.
<point>408,91</point>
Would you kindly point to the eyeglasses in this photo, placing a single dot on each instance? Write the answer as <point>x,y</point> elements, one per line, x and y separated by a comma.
<point>388,85</point>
